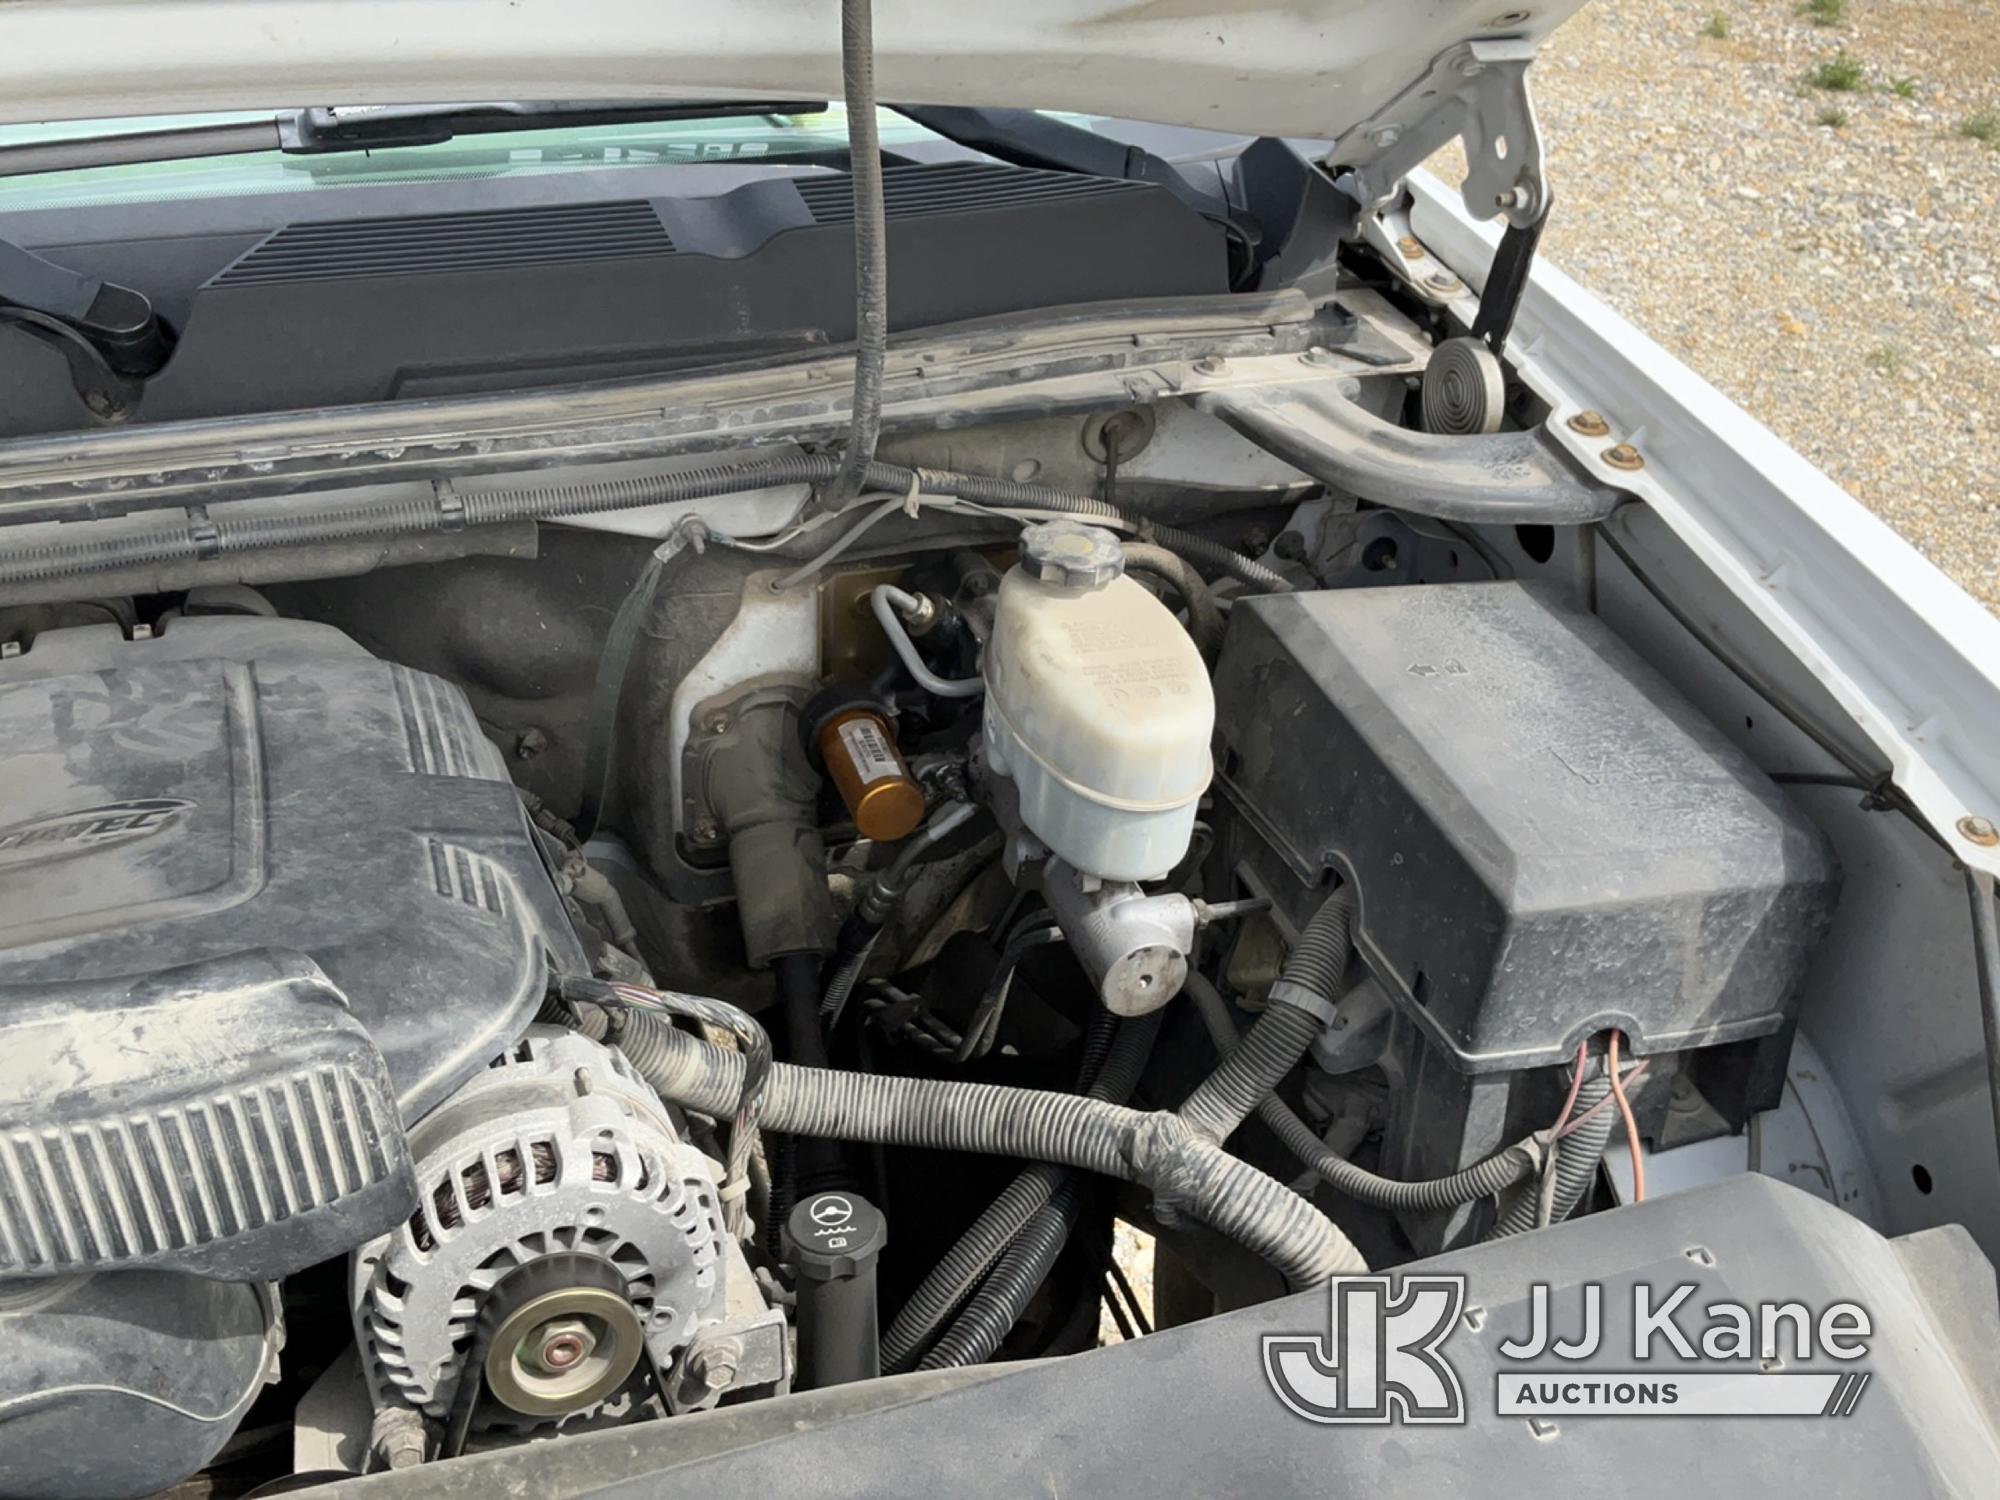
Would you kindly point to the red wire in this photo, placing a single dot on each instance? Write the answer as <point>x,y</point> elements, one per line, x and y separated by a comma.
<point>1575,1084</point>
<point>1631,1124</point>
<point>1632,1075</point>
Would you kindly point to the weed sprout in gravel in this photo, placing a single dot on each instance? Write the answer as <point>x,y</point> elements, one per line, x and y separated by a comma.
<point>1839,74</point>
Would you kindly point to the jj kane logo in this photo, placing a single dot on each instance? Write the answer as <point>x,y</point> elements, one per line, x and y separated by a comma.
<point>1381,1357</point>
<point>61,834</point>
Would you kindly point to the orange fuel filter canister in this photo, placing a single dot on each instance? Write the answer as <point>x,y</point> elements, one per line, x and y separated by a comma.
<point>859,750</point>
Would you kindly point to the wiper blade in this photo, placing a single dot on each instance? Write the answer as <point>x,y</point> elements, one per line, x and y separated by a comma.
<point>177,144</point>
<point>323,131</point>
<point>367,128</point>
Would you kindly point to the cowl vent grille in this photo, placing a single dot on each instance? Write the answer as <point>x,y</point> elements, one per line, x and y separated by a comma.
<point>956,188</point>
<point>429,244</point>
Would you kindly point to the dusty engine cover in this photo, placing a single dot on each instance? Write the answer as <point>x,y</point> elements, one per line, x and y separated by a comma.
<point>238,784</point>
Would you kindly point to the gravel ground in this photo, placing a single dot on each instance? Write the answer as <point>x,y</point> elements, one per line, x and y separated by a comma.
<point>1828,259</point>
<point>1133,1250</point>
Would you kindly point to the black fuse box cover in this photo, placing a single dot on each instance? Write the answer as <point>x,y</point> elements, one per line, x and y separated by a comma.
<point>1545,839</point>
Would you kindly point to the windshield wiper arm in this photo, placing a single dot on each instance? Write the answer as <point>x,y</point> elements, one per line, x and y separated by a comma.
<point>365,128</point>
<point>108,334</point>
<point>1028,138</point>
<point>322,131</point>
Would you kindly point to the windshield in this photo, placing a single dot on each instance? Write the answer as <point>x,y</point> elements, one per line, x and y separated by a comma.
<point>520,153</point>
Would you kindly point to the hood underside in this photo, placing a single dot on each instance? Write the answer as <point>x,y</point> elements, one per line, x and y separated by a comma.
<point>1313,68</point>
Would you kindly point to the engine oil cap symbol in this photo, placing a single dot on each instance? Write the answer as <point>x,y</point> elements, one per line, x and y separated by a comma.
<point>831,1236</point>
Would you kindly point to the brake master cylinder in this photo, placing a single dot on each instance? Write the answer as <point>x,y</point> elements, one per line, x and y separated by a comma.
<point>1099,712</point>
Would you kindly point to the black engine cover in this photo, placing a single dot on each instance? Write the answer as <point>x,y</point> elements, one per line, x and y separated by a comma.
<point>238,784</point>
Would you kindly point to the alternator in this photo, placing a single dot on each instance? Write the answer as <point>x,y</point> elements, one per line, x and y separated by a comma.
<point>559,1152</point>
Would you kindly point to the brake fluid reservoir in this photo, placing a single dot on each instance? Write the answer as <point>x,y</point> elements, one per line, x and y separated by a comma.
<point>1098,707</point>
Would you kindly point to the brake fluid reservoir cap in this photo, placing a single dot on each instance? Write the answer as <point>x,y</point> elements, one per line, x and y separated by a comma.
<point>1071,554</point>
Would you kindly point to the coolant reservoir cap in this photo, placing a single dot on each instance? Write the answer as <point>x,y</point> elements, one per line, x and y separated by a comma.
<point>1071,554</point>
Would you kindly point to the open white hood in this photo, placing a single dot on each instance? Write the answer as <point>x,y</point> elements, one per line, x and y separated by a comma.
<point>1314,68</point>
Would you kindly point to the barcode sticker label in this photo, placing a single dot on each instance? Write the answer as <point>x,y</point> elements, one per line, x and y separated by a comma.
<point>873,756</point>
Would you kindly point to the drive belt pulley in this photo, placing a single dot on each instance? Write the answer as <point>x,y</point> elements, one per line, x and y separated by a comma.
<point>555,1336</point>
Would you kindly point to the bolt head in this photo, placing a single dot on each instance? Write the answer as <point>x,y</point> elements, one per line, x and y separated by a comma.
<point>714,1365</point>
<point>1388,135</point>
<point>1317,356</point>
<point>1209,364</point>
<point>707,831</point>
<point>1624,456</point>
<point>561,1344</point>
<point>561,1352</point>
<point>1441,281</point>
<point>400,1437</point>
<point>1411,247</point>
<point>530,743</point>
<point>1979,830</point>
<point>1590,424</point>
<point>717,723</point>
